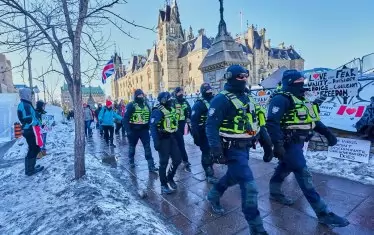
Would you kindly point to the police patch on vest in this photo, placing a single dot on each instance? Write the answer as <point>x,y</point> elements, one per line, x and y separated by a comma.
<point>275,109</point>
<point>211,111</point>
<point>152,120</point>
<point>193,112</point>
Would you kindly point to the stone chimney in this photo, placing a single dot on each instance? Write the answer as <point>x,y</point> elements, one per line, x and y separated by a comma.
<point>267,44</point>
<point>201,32</point>
<point>250,37</point>
<point>281,46</point>
<point>148,52</point>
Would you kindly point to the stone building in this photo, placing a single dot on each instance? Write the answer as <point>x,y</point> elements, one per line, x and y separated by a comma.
<point>96,93</point>
<point>6,78</point>
<point>176,56</point>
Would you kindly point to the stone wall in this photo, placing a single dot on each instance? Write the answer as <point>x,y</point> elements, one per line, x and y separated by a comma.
<point>319,143</point>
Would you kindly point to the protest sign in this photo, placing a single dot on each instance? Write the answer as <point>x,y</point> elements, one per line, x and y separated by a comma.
<point>261,96</point>
<point>47,120</point>
<point>351,149</point>
<point>342,82</point>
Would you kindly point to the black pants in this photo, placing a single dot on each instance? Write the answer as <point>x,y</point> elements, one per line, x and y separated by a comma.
<point>33,151</point>
<point>143,135</point>
<point>118,127</point>
<point>168,149</point>
<point>108,134</point>
<point>180,140</point>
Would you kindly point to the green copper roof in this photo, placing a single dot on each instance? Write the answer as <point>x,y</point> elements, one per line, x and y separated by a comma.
<point>86,90</point>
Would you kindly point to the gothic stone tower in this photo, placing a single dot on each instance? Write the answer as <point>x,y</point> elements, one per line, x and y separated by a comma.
<point>170,39</point>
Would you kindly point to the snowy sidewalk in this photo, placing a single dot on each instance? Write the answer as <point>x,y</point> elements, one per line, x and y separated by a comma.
<point>52,203</point>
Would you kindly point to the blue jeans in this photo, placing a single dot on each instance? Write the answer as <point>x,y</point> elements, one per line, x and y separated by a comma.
<point>294,161</point>
<point>87,128</point>
<point>44,137</point>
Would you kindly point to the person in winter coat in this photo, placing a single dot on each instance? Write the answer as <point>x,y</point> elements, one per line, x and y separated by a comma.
<point>292,120</point>
<point>40,111</point>
<point>97,112</point>
<point>120,111</point>
<point>164,127</point>
<point>27,116</point>
<point>183,110</point>
<point>88,117</point>
<point>198,121</point>
<point>365,125</point>
<point>136,122</point>
<point>106,120</point>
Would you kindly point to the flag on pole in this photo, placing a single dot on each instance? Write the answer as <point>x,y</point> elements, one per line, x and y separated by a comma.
<point>108,71</point>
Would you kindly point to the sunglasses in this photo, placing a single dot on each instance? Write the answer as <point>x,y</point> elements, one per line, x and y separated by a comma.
<point>243,75</point>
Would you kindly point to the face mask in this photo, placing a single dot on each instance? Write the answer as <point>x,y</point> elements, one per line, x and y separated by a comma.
<point>169,103</point>
<point>208,96</point>
<point>139,99</point>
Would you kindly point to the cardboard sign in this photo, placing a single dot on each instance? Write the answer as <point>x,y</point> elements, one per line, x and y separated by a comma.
<point>261,97</point>
<point>351,149</point>
<point>343,83</point>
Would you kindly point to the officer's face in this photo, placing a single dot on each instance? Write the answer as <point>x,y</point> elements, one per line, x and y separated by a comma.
<point>242,77</point>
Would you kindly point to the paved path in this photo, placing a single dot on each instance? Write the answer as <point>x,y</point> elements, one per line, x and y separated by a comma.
<point>190,213</point>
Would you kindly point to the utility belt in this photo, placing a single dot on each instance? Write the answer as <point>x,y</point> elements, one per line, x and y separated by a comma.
<point>297,136</point>
<point>238,143</point>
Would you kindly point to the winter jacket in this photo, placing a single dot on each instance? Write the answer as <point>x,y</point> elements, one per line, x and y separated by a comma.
<point>87,114</point>
<point>25,111</point>
<point>107,116</point>
<point>97,112</point>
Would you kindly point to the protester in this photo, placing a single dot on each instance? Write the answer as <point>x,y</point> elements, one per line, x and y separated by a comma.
<point>88,117</point>
<point>106,119</point>
<point>40,111</point>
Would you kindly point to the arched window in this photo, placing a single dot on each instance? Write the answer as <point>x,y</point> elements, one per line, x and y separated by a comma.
<point>162,72</point>
<point>141,78</point>
<point>189,67</point>
<point>182,70</point>
<point>162,56</point>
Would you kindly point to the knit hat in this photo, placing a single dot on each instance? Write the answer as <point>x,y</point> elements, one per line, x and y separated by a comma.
<point>138,92</point>
<point>205,87</point>
<point>108,103</point>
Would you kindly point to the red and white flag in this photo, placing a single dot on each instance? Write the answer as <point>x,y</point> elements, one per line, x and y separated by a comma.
<point>356,111</point>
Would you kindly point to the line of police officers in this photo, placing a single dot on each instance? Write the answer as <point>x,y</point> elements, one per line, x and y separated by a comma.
<point>226,127</point>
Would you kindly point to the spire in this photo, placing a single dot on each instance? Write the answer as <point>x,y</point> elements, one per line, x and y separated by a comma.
<point>174,3</point>
<point>222,29</point>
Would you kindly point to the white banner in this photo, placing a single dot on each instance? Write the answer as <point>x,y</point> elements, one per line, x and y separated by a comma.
<point>333,83</point>
<point>351,149</point>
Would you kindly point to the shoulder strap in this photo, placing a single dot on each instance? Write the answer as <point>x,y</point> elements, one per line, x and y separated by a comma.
<point>234,100</point>
<point>287,95</point>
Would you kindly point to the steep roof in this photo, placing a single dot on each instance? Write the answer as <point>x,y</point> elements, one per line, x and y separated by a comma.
<point>198,43</point>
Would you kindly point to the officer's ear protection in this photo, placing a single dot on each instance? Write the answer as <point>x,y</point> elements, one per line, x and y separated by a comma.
<point>164,100</point>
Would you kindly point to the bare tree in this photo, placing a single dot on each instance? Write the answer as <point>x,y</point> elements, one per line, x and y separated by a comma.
<point>65,30</point>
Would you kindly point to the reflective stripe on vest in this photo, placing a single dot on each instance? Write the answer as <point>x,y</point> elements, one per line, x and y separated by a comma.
<point>302,116</point>
<point>140,115</point>
<point>180,108</point>
<point>246,122</point>
<point>169,123</point>
<point>204,115</point>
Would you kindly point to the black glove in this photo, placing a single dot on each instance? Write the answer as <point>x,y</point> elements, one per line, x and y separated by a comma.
<point>279,150</point>
<point>218,156</point>
<point>266,144</point>
<point>331,139</point>
<point>196,140</point>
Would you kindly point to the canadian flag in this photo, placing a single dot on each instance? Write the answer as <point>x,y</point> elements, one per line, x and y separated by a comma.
<point>357,111</point>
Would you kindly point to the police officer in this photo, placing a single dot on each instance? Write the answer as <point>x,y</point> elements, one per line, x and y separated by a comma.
<point>28,118</point>
<point>234,120</point>
<point>164,127</point>
<point>198,119</point>
<point>291,121</point>
<point>183,110</point>
<point>136,123</point>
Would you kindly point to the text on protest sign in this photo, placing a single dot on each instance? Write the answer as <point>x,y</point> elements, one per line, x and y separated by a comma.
<point>351,149</point>
<point>343,82</point>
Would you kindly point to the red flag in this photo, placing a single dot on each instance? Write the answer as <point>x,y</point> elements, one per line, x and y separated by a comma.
<point>341,110</point>
<point>360,111</point>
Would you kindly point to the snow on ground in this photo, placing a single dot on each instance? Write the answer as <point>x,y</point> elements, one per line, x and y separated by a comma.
<point>50,202</point>
<point>319,162</point>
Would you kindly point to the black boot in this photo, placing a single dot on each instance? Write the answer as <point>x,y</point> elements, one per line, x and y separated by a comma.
<point>213,197</point>
<point>151,166</point>
<point>166,190</point>
<point>329,218</point>
<point>187,166</point>
<point>282,199</point>
<point>172,184</point>
<point>132,163</point>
